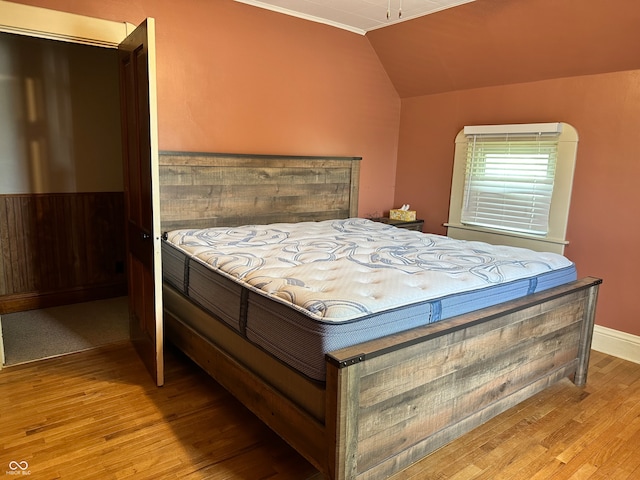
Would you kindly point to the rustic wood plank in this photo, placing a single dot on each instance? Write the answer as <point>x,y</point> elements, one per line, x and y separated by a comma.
<point>222,206</point>
<point>249,160</point>
<point>580,377</point>
<point>355,186</point>
<point>399,423</point>
<point>263,175</point>
<point>209,190</point>
<point>443,437</point>
<point>510,371</point>
<point>383,378</point>
<point>232,221</point>
<point>177,193</point>
<point>342,421</point>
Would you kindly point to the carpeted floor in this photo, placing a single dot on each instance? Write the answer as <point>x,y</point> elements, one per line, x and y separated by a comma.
<point>38,334</point>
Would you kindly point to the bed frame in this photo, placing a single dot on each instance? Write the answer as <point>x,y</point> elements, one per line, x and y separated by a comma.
<point>387,402</point>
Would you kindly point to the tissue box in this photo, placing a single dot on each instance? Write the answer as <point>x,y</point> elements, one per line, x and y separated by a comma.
<point>404,215</point>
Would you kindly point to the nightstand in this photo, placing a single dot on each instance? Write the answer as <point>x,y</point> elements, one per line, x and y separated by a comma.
<point>412,225</point>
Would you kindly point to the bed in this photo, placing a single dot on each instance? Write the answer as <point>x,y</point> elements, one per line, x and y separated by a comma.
<point>372,404</point>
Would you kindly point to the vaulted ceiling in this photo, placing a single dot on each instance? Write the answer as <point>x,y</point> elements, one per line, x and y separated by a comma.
<point>434,48</point>
<point>497,42</point>
<point>358,16</point>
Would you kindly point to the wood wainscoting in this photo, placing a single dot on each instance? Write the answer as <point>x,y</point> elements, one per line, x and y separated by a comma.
<point>60,248</point>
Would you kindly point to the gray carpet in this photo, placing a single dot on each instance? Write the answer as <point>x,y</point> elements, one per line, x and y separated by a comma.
<point>38,334</point>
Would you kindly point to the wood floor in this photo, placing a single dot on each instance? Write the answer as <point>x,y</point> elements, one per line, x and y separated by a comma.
<point>96,414</point>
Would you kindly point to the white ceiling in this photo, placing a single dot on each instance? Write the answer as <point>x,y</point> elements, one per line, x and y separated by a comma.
<point>357,16</point>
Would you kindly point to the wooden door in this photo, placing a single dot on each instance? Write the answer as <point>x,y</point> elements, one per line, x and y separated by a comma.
<point>142,199</point>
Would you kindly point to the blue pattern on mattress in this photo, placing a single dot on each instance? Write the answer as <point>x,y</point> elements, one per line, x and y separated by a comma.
<point>341,270</point>
<point>301,290</point>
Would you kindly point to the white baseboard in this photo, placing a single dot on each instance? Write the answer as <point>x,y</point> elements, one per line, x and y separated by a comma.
<point>619,344</point>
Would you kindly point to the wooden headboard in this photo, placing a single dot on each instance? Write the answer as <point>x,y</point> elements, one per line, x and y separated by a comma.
<point>199,190</point>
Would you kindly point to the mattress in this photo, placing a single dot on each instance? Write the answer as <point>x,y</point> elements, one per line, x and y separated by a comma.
<point>301,290</point>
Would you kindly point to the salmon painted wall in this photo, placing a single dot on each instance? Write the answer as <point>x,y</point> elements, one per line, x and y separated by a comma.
<point>482,63</point>
<point>236,78</point>
<point>603,230</point>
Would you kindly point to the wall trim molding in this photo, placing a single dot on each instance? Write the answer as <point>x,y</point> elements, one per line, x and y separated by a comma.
<point>57,25</point>
<point>614,342</point>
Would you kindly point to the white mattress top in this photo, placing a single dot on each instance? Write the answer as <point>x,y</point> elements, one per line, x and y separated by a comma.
<point>339,270</point>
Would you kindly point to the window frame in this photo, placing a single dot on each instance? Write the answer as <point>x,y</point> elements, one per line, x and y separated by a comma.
<point>555,238</point>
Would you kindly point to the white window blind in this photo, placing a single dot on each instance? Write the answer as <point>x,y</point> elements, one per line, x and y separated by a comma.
<point>509,181</point>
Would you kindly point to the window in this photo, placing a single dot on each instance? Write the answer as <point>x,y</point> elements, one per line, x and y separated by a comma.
<point>513,181</point>
<point>508,182</point>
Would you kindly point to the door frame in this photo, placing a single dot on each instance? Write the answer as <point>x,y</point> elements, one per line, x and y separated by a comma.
<point>55,25</point>
<point>49,24</point>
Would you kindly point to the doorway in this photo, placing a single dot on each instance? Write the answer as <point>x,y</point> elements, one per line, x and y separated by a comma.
<point>137,69</point>
<point>62,221</point>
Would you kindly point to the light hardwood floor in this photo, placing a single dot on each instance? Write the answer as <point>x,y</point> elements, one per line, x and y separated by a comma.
<point>96,414</point>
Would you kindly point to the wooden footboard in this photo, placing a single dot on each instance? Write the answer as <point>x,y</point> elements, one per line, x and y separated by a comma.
<point>395,400</point>
<point>392,401</point>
